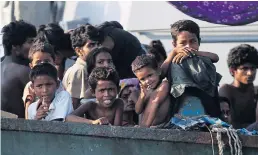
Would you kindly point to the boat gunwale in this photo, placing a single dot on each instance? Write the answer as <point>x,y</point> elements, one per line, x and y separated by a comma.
<point>80,129</point>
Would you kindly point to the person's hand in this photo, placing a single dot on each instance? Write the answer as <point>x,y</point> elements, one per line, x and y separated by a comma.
<point>179,58</point>
<point>183,53</point>
<point>70,31</point>
<point>185,50</point>
<point>101,121</point>
<point>143,92</point>
<point>42,110</point>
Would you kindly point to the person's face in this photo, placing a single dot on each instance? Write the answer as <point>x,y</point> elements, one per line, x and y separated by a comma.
<point>23,50</point>
<point>186,39</point>
<point>39,57</point>
<point>245,73</point>
<point>131,101</point>
<point>45,87</point>
<point>105,93</point>
<point>225,112</point>
<point>86,49</point>
<point>124,95</point>
<point>104,59</point>
<point>148,77</point>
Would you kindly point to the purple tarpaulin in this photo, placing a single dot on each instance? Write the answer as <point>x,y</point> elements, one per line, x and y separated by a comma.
<point>219,12</point>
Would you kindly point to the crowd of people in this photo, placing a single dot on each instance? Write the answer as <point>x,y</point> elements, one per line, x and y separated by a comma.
<point>116,80</point>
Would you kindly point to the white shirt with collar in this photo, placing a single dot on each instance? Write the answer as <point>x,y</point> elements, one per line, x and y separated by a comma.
<point>60,107</point>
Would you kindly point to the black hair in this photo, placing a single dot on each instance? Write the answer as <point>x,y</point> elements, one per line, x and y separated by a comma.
<point>43,69</point>
<point>185,25</point>
<point>105,74</point>
<point>143,61</point>
<point>241,54</point>
<point>53,34</point>
<point>91,58</point>
<point>41,46</point>
<point>114,24</point>
<point>16,33</point>
<point>82,34</point>
<point>152,51</point>
<point>158,46</point>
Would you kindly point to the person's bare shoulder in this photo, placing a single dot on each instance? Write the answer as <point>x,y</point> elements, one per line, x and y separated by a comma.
<point>164,86</point>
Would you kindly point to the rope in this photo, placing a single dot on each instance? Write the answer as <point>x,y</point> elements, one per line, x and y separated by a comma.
<point>231,133</point>
<point>220,143</point>
<point>211,139</point>
<point>230,143</point>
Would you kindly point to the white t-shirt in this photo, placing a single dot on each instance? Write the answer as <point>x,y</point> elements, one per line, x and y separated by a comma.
<point>60,107</point>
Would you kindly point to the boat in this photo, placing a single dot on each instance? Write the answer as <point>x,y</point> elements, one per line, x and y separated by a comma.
<point>29,137</point>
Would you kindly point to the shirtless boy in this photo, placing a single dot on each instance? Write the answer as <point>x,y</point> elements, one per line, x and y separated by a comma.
<point>154,101</point>
<point>104,83</point>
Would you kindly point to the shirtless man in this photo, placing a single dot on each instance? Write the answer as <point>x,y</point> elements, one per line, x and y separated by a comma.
<point>17,39</point>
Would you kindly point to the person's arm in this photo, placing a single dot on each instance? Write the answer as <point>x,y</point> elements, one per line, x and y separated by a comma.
<point>184,52</point>
<point>141,102</point>
<point>75,102</point>
<point>75,115</point>
<point>164,67</point>
<point>214,57</point>
<point>119,113</point>
<point>156,100</point>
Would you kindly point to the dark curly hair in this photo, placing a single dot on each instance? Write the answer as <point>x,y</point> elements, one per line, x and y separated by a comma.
<point>241,54</point>
<point>105,74</point>
<point>91,58</point>
<point>158,46</point>
<point>185,25</point>
<point>16,33</point>
<point>82,34</point>
<point>55,35</point>
<point>43,69</point>
<point>143,61</point>
<point>44,47</point>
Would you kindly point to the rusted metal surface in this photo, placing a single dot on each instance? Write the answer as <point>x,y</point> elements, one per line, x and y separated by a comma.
<point>108,136</point>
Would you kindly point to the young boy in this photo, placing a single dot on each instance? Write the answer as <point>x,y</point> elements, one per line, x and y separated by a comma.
<point>39,52</point>
<point>240,94</point>
<point>154,101</point>
<point>84,38</point>
<point>104,83</point>
<point>17,39</point>
<point>195,90</point>
<point>51,106</point>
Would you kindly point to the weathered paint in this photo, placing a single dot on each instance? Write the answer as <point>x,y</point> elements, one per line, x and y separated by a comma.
<point>58,138</point>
